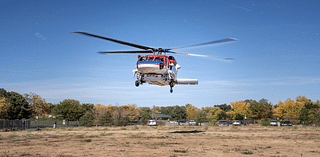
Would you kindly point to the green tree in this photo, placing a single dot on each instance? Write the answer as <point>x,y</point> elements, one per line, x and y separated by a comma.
<point>265,121</point>
<point>169,110</point>
<point>69,109</point>
<point>239,116</point>
<point>179,113</point>
<point>308,113</point>
<point>144,113</point>
<point>106,118</point>
<point>16,105</point>
<point>87,119</point>
<point>201,117</point>
<point>304,116</point>
<point>87,106</point>
<point>224,107</point>
<point>261,109</point>
<point>222,115</point>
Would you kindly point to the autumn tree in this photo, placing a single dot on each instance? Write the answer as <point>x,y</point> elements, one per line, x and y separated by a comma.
<point>289,110</point>
<point>191,112</point>
<point>123,114</point>
<point>240,109</point>
<point>97,111</point>
<point>3,107</point>
<point>37,104</point>
<point>212,113</point>
<point>130,112</point>
<point>14,106</point>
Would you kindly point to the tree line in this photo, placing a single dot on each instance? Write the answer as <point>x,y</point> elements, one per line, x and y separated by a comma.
<point>15,106</point>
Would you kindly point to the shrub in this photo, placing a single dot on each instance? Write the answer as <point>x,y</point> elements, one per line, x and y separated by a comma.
<point>135,128</point>
<point>161,123</point>
<point>265,121</point>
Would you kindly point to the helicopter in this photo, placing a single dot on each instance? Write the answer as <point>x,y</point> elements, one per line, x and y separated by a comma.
<point>159,68</point>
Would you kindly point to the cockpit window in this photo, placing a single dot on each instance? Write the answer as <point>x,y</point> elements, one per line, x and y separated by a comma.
<point>150,58</point>
<point>159,59</point>
<point>143,59</point>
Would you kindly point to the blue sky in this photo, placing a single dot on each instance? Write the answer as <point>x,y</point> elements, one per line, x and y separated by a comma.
<point>276,57</point>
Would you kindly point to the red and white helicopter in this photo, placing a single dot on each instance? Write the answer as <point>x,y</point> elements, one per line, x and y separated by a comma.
<point>158,69</point>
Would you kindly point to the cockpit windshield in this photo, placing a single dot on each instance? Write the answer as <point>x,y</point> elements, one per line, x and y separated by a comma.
<point>158,59</point>
<point>143,59</point>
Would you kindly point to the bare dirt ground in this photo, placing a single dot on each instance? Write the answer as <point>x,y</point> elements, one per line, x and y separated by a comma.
<point>163,141</point>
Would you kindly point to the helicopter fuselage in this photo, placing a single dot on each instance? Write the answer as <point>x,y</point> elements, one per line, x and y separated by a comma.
<point>158,70</point>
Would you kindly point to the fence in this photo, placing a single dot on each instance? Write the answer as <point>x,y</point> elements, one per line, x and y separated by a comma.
<point>27,124</point>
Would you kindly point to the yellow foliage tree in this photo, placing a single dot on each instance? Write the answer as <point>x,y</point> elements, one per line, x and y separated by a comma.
<point>241,108</point>
<point>191,112</point>
<point>290,109</point>
<point>280,110</point>
<point>97,111</point>
<point>3,106</point>
<point>37,104</point>
<point>211,113</point>
<point>130,112</point>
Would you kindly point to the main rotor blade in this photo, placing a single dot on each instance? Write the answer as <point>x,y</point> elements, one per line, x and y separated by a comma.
<point>200,55</point>
<point>207,43</point>
<point>117,41</point>
<point>102,52</point>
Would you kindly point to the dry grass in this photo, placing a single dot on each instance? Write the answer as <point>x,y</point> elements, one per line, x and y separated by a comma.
<point>163,141</point>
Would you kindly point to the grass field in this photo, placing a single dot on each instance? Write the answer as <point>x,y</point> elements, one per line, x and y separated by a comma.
<point>163,141</point>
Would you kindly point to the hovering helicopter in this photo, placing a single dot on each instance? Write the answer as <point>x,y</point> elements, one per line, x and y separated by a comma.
<point>159,68</point>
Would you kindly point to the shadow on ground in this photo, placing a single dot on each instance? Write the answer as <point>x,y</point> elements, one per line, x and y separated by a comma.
<point>193,131</point>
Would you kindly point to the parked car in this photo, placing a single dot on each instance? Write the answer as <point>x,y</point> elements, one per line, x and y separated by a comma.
<point>286,123</point>
<point>172,123</point>
<point>223,123</point>
<point>152,123</point>
<point>192,122</point>
<point>236,123</point>
<point>274,123</point>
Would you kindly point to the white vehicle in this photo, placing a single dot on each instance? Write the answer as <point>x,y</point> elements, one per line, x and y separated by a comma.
<point>236,123</point>
<point>152,123</point>
<point>192,122</point>
<point>274,123</point>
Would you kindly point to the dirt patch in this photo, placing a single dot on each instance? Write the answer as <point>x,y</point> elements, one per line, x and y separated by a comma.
<point>163,141</point>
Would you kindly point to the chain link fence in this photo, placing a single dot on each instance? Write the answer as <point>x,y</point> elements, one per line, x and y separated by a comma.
<point>28,124</point>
